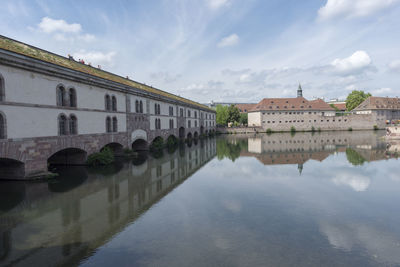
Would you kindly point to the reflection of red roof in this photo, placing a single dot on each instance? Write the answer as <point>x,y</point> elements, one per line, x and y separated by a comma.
<point>287,158</point>
<point>244,108</point>
<point>298,103</point>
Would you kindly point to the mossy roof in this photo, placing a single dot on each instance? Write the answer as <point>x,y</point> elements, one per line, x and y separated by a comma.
<point>40,54</point>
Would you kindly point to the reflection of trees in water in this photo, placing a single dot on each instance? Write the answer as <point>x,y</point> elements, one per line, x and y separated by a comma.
<point>354,157</point>
<point>5,244</point>
<point>227,149</point>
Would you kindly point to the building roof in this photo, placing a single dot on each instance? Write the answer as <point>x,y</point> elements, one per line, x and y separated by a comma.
<point>298,103</point>
<point>37,53</point>
<point>245,107</point>
<point>375,102</point>
<point>340,106</point>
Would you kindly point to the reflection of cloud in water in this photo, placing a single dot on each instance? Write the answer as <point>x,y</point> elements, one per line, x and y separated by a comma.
<point>357,182</point>
<point>379,244</point>
<point>232,205</point>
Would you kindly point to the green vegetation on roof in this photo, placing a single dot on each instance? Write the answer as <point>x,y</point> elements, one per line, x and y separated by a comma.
<point>33,52</point>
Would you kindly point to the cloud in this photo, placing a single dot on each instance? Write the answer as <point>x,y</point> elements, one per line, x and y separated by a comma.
<point>358,183</point>
<point>352,8</point>
<point>95,58</point>
<point>382,91</point>
<point>394,66</point>
<point>49,25</point>
<point>357,63</point>
<point>230,40</point>
<point>165,76</point>
<point>216,4</point>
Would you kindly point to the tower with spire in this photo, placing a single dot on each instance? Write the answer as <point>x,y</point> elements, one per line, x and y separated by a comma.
<point>299,91</point>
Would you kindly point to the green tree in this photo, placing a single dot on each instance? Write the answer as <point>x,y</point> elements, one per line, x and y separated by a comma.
<point>233,114</point>
<point>354,157</point>
<point>355,98</point>
<point>222,115</point>
<point>243,118</point>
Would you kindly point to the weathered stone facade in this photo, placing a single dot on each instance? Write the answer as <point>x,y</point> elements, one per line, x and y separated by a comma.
<point>37,119</point>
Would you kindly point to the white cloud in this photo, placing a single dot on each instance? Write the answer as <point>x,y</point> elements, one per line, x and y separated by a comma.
<point>215,4</point>
<point>358,183</point>
<point>382,91</point>
<point>394,66</point>
<point>352,8</point>
<point>230,40</point>
<point>95,58</point>
<point>87,37</point>
<point>49,25</point>
<point>355,64</point>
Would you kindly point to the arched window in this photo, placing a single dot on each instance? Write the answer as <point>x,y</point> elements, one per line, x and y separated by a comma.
<point>2,89</point>
<point>72,97</point>
<point>114,103</point>
<point>107,102</point>
<point>3,134</point>
<point>115,124</point>
<point>189,124</point>
<point>73,125</point>
<point>62,125</point>
<point>137,107</point>
<point>61,101</point>
<point>141,106</point>
<point>108,125</point>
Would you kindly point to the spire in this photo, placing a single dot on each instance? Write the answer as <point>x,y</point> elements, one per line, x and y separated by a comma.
<point>300,167</point>
<point>299,91</point>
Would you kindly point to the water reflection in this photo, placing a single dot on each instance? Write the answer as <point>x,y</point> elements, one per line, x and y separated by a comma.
<point>64,220</point>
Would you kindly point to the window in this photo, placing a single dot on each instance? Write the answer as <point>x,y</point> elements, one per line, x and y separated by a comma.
<point>73,125</point>
<point>114,124</point>
<point>171,124</point>
<point>114,103</point>
<point>141,106</point>
<point>2,89</point>
<point>195,114</point>
<point>107,102</point>
<point>157,109</point>
<point>181,112</point>
<point>189,124</point>
<point>72,97</point>
<point>202,115</point>
<point>61,96</point>
<point>108,125</point>
<point>189,113</point>
<point>62,125</point>
<point>2,126</point>
<point>158,124</point>
<point>171,111</point>
<point>137,106</point>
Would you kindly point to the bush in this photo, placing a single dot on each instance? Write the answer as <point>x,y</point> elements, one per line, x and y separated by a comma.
<point>319,129</point>
<point>172,141</point>
<point>376,127</point>
<point>157,144</point>
<point>350,129</point>
<point>292,129</point>
<point>312,129</point>
<point>104,157</point>
<point>269,131</point>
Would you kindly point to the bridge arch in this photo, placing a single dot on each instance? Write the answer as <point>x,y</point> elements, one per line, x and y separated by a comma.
<point>139,145</point>
<point>196,135</point>
<point>68,156</point>
<point>11,169</point>
<point>116,148</point>
<point>138,134</point>
<point>189,136</point>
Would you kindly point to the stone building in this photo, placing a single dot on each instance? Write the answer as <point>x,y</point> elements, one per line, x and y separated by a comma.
<point>244,108</point>
<point>385,109</point>
<point>54,109</point>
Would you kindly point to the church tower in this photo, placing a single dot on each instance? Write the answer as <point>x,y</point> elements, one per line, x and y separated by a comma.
<point>299,91</point>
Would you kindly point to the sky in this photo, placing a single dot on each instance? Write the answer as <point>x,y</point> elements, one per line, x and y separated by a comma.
<point>224,50</point>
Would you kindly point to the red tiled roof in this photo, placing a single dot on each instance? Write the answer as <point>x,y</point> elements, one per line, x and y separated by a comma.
<point>375,102</point>
<point>245,107</point>
<point>340,106</point>
<point>298,103</point>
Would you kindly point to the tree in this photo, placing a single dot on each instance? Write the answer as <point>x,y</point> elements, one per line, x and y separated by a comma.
<point>222,115</point>
<point>243,118</point>
<point>355,98</point>
<point>233,114</point>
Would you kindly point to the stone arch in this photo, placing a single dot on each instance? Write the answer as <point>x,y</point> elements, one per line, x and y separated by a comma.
<point>139,145</point>
<point>68,156</point>
<point>196,135</point>
<point>138,134</point>
<point>117,148</point>
<point>2,88</point>
<point>189,135</point>
<point>11,169</point>
<point>62,124</point>
<point>3,126</point>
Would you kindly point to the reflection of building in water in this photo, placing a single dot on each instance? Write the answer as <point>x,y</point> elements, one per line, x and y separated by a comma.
<point>277,149</point>
<point>71,223</point>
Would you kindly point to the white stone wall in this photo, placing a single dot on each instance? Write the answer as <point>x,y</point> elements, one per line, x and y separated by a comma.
<point>31,88</point>
<point>254,119</point>
<point>27,122</point>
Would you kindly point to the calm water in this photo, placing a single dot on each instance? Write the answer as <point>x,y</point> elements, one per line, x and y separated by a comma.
<point>328,199</point>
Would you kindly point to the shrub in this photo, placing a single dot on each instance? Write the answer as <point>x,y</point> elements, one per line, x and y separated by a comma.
<point>104,157</point>
<point>172,141</point>
<point>269,131</point>
<point>350,129</point>
<point>319,129</point>
<point>376,127</point>
<point>312,129</point>
<point>157,144</point>
<point>292,129</point>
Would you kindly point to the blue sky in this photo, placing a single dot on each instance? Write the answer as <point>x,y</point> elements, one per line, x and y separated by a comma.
<point>224,50</point>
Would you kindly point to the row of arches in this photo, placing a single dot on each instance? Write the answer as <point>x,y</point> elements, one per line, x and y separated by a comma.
<point>67,125</point>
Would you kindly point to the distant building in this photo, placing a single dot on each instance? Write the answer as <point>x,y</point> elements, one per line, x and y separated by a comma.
<point>243,107</point>
<point>339,104</point>
<point>383,108</point>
